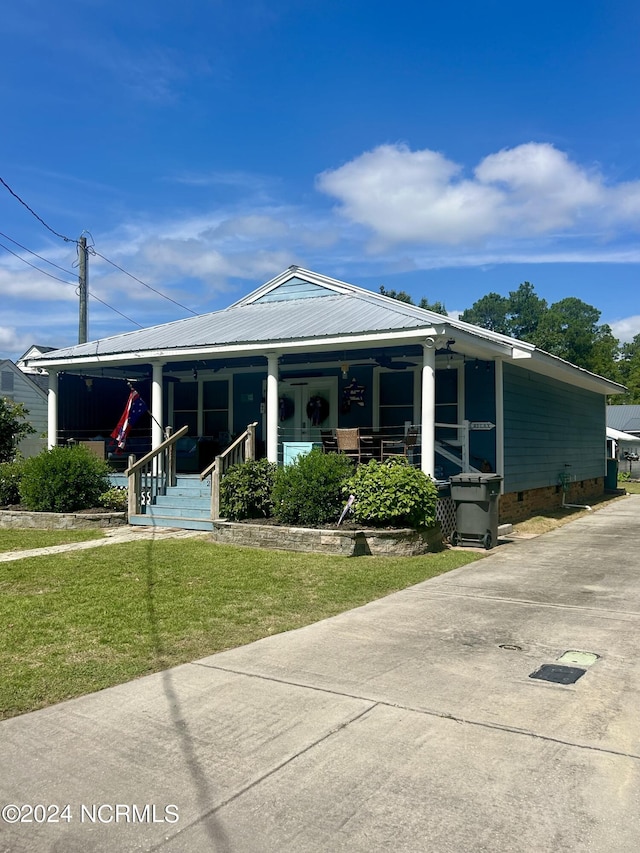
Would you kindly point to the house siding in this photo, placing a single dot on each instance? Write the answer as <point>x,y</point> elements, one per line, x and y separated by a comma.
<point>550,428</point>
<point>35,401</point>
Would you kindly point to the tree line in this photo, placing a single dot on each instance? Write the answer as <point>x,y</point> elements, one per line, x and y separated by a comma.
<point>569,329</point>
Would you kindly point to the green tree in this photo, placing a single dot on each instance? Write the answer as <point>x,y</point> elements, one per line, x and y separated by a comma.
<point>438,307</point>
<point>13,428</point>
<point>629,372</point>
<point>570,330</point>
<point>526,309</point>
<point>490,312</point>
<point>400,295</point>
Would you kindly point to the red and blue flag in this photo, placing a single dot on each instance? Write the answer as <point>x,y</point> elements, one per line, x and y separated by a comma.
<point>133,411</point>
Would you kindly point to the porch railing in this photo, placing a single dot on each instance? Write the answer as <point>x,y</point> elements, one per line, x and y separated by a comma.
<point>151,475</point>
<point>242,449</point>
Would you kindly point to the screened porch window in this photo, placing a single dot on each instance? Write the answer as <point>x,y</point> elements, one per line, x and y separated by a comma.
<point>396,401</point>
<point>185,406</point>
<point>215,406</point>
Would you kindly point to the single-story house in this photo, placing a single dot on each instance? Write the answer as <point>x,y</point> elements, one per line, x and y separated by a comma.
<point>305,354</point>
<point>31,390</point>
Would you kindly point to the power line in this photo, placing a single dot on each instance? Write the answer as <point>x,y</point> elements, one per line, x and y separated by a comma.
<point>33,266</point>
<point>62,281</point>
<point>143,283</point>
<point>35,254</point>
<point>39,218</point>
<point>90,249</point>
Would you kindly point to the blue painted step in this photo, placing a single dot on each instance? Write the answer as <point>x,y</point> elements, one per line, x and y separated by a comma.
<point>187,505</point>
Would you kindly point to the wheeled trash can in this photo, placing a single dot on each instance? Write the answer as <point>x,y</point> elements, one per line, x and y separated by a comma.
<point>476,497</point>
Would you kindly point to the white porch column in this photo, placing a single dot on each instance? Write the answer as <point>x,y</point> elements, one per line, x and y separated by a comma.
<point>52,410</point>
<point>499,420</point>
<point>157,436</point>
<point>428,407</point>
<point>272,408</point>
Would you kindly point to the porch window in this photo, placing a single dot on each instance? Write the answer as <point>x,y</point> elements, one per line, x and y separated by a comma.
<point>215,406</point>
<point>446,404</point>
<point>185,406</point>
<point>396,401</point>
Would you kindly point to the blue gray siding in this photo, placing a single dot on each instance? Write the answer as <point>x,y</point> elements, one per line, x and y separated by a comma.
<point>547,426</point>
<point>295,288</point>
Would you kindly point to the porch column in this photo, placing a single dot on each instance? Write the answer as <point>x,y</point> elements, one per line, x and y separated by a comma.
<point>428,408</point>
<point>499,420</point>
<point>272,408</point>
<point>52,410</point>
<point>157,436</point>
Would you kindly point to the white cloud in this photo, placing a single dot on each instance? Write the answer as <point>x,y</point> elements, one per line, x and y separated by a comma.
<point>627,328</point>
<point>422,197</point>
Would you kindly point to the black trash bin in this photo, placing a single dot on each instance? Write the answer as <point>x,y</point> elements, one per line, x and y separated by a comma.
<point>476,497</point>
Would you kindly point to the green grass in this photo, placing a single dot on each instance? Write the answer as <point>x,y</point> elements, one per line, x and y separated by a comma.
<point>86,620</point>
<point>20,540</point>
<point>632,487</point>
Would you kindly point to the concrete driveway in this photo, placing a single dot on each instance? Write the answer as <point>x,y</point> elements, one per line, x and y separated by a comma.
<point>410,724</point>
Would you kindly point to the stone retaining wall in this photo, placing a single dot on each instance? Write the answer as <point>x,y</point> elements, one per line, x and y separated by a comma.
<point>60,520</point>
<point>348,543</point>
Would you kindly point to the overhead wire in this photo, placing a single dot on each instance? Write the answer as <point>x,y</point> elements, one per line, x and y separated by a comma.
<point>92,250</point>
<point>62,281</point>
<point>35,254</point>
<point>143,283</point>
<point>39,218</point>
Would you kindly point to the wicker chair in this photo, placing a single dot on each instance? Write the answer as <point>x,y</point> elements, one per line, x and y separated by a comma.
<point>349,443</point>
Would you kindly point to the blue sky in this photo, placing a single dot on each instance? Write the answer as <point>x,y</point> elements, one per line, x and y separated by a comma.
<point>448,150</point>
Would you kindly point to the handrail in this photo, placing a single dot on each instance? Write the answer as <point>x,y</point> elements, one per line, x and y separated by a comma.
<point>230,456</point>
<point>150,476</point>
<point>226,452</point>
<point>156,450</point>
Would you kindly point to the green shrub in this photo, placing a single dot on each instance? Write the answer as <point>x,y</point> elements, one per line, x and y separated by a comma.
<point>245,490</point>
<point>393,493</point>
<point>310,490</point>
<point>63,479</point>
<point>624,476</point>
<point>115,499</point>
<point>10,476</point>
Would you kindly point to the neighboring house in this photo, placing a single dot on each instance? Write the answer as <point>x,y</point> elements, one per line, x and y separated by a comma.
<point>626,420</point>
<point>20,388</point>
<point>305,354</point>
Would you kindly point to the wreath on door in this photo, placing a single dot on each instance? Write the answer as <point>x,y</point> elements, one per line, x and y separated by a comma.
<point>317,410</point>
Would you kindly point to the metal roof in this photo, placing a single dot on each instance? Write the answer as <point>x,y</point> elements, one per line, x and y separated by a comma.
<point>344,314</point>
<point>345,311</point>
<point>314,318</point>
<point>624,418</point>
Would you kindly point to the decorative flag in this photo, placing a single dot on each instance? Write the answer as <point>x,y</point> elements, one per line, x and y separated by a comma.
<point>135,408</point>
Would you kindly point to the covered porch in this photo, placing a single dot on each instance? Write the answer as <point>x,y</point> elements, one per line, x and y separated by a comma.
<point>430,401</point>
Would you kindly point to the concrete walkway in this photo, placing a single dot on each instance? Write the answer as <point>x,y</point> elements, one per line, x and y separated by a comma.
<point>410,724</point>
<point>112,536</point>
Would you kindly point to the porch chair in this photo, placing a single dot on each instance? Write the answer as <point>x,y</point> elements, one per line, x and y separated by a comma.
<point>399,447</point>
<point>329,441</point>
<point>348,441</point>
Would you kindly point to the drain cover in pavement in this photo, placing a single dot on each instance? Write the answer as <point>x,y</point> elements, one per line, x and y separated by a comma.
<point>558,674</point>
<point>580,658</point>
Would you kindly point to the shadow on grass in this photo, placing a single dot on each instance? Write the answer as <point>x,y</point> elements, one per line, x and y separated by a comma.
<point>201,784</point>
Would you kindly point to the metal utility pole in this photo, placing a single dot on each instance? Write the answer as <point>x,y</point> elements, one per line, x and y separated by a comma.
<point>83,281</point>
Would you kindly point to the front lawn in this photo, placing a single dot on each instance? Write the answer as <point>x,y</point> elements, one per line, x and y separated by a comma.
<point>85,620</point>
<point>21,540</point>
